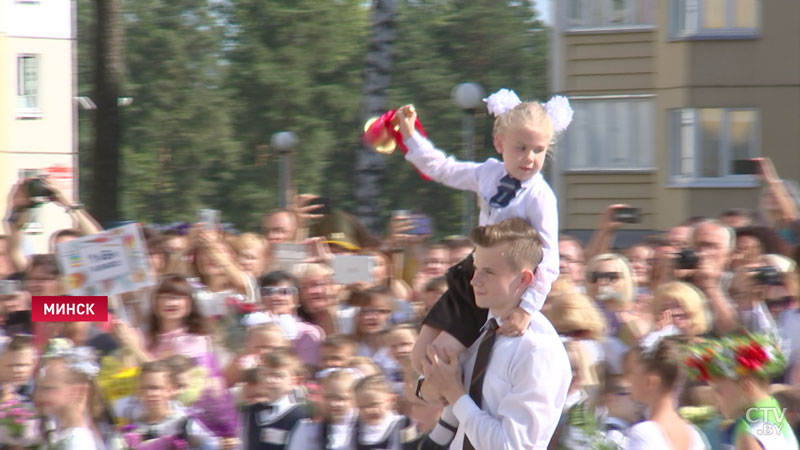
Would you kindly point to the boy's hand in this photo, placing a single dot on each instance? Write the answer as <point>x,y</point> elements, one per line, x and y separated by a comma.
<point>407,117</point>
<point>515,323</point>
<point>443,371</point>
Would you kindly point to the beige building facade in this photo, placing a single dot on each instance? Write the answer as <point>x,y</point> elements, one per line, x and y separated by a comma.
<point>667,95</point>
<point>36,105</point>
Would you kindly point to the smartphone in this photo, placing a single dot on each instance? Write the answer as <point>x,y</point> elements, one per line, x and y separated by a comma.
<point>349,269</point>
<point>210,217</point>
<point>324,204</point>
<point>288,255</point>
<point>8,287</point>
<point>627,214</point>
<point>422,224</point>
<point>745,167</point>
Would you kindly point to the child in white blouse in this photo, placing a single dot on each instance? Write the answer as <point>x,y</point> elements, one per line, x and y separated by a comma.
<point>378,426</point>
<point>160,417</point>
<point>62,394</point>
<point>335,430</point>
<point>523,132</point>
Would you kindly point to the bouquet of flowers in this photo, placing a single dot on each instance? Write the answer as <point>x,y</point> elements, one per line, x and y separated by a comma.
<point>16,419</point>
<point>582,430</point>
<point>732,357</point>
<point>216,410</point>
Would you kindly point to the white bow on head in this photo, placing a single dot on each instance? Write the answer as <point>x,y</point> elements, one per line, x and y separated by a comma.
<point>557,108</point>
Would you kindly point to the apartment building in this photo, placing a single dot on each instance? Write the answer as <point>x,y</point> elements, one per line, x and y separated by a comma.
<point>667,95</point>
<point>37,111</point>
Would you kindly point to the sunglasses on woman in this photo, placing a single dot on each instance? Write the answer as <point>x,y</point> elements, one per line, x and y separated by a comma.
<point>281,290</point>
<point>594,277</point>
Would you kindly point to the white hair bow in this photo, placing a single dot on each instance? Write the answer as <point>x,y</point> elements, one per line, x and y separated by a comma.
<point>649,343</point>
<point>502,102</point>
<point>83,359</point>
<point>557,108</point>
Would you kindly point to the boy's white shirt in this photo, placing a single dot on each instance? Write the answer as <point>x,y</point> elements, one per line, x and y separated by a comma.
<point>524,390</point>
<point>535,202</point>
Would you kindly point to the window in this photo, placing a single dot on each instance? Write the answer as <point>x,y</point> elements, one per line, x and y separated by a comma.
<point>28,85</point>
<point>592,14</point>
<point>704,143</point>
<point>716,18</point>
<point>610,133</point>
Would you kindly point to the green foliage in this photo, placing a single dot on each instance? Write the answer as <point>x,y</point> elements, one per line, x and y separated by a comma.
<point>441,44</point>
<point>213,80</point>
<point>296,65</point>
<point>177,146</point>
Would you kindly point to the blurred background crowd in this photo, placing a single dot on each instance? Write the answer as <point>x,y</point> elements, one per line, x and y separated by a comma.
<point>314,292</point>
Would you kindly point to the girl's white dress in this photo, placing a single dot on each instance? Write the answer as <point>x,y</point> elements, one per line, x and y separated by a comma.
<point>78,438</point>
<point>649,435</point>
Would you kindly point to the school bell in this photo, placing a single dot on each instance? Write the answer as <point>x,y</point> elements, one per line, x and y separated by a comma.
<point>382,133</point>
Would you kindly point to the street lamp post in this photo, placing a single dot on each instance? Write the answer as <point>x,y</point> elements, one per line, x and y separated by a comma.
<point>468,97</point>
<point>285,142</point>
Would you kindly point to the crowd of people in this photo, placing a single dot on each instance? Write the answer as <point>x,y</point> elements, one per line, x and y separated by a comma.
<point>686,340</point>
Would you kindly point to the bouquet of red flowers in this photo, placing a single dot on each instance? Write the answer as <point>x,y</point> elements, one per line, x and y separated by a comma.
<point>735,356</point>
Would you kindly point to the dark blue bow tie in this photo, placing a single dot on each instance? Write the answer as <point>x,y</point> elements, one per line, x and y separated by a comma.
<point>506,191</point>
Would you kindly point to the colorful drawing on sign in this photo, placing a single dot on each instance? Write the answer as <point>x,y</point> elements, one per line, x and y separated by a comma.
<point>75,260</point>
<point>76,280</point>
<point>107,263</point>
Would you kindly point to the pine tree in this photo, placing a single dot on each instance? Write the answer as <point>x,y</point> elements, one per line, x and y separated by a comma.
<point>442,43</point>
<point>178,151</point>
<point>295,65</point>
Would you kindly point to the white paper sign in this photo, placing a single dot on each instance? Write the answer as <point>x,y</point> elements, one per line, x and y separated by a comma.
<point>349,269</point>
<point>108,263</point>
<point>105,261</point>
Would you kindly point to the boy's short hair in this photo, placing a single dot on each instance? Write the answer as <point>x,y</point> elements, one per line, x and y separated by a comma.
<point>403,327</point>
<point>437,284</point>
<point>253,375</point>
<point>456,242</point>
<point>338,341</point>
<point>346,375</point>
<point>436,246</point>
<point>67,233</point>
<point>525,244</point>
<point>373,383</point>
<point>363,360</point>
<point>282,359</point>
<point>154,367</point>
<point>178,364</point>
<point>47,261</point>
<point>18,342</point>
